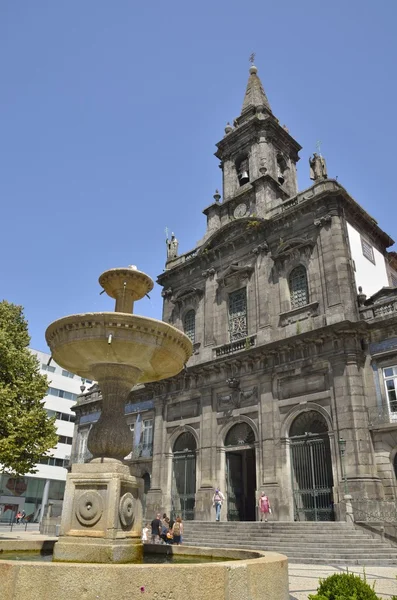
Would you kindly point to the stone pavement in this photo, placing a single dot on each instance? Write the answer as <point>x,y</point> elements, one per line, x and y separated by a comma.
<point>303,579</point>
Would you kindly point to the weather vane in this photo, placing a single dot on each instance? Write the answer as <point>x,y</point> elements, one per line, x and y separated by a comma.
<point>318,147</point>
<point>252,58</point>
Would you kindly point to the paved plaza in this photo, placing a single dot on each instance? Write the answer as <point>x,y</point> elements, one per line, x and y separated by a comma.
<point>303,578</point>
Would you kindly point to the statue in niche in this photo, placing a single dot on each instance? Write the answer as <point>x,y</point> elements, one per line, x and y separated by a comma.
<point>318,168</point>
<point>172,247</point>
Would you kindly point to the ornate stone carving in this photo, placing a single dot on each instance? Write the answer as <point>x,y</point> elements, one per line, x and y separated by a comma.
<point>208,272</point>
<point>318,168</point>
<point>89,508</point>
<point>323,221</point>
<point>191,295</point>
<point>166,294</point>
<point>235,274</point>
<point>172,247</point>
<point>261,248</point>
<point>292,250</point>
<point>126,509</point>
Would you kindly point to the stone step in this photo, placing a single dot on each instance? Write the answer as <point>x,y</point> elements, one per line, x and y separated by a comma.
<point>288,544</point>
<point>321,556</point>
<point>319,548</point>
<point>335,543</point>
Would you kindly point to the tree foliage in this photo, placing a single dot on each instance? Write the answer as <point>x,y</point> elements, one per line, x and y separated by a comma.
<point>26,431</point>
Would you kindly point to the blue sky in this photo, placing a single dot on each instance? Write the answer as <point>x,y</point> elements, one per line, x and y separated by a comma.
<point>110,111</point>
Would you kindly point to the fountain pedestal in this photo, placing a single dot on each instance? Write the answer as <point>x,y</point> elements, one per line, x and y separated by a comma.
<point>102,512</point>
<point>102,515</point>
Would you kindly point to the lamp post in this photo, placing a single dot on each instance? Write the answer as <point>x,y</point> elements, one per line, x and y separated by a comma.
<point>342,449</point>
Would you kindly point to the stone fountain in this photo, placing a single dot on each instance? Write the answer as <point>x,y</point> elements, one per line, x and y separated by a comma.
<point>102,514</point>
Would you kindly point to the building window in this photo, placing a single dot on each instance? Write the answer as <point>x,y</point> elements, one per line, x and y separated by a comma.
<point>298,288</point>
<point>368,250</point>
<point>61,394</point>
<point>65,439</point>
<point>147,435</point>
<point>48,368</point>
<point>61,416</point>
<point>67,374</point>
<point>390,377</point>
<point>238,315</point>
<point>54,462</point>
<point>189,325</point>
<point>242,168</point>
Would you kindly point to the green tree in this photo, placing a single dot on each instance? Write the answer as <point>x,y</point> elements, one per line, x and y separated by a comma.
<point>26,431</point>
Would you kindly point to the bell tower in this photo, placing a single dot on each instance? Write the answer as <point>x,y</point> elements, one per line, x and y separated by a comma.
<point>258,157</point>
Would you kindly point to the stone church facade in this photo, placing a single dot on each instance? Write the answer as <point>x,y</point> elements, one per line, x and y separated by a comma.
<point>290,300</point>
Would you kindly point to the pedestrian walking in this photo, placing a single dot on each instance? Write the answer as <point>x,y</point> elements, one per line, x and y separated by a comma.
<point>264,507</point>
<point>177,531</point>
<point>156,529</point>
<point>217,501</point>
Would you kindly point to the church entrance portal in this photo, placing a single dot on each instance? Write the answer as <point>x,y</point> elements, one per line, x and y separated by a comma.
<point>183,488</point>
<point>240,473</point>
<point>311,465</point>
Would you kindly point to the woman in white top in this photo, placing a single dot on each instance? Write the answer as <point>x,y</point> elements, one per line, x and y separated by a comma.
<point>217,500</point>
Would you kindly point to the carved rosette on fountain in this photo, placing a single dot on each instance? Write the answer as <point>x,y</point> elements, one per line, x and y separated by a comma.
<point>102,514</point>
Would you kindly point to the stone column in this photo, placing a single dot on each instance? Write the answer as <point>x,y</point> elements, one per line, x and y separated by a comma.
<point>209,303</point>
<point>270,442</point>
<point>154,498</point>
<point>206,459</point>
<point>352,424</point>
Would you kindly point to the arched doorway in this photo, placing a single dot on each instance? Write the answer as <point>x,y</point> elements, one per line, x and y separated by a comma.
<point>240,473</point>
<point>183,486</point>
<point>312,479</point>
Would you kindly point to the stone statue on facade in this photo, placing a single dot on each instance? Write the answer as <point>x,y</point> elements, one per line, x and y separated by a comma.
<point>318,168</point>
<point>172,247</point>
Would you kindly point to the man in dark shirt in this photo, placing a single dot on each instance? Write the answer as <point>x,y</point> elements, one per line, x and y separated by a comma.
<point>156,529</point>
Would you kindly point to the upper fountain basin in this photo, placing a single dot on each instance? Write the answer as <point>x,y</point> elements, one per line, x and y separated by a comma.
<point>80,342</point>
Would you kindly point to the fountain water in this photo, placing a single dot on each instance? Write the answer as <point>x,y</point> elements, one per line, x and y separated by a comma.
<point>102,515</point>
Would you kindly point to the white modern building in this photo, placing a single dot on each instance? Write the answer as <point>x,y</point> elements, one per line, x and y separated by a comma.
<point>33,492</point>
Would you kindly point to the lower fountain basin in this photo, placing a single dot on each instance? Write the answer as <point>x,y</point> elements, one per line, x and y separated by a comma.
<point>242,575</point>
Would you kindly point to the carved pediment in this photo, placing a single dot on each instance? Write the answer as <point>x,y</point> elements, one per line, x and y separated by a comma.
<point>244,228</point>
<point>188,294</point>
<point>384,294</point>
<point>235,273</point>
<point>293,249</point>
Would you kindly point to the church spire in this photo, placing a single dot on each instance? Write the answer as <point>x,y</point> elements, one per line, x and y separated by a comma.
<point>255,94</point>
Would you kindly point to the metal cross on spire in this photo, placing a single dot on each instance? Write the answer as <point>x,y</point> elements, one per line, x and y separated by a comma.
<point>252,58</point>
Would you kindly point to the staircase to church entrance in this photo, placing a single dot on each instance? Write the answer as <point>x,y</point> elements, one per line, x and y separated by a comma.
<point>336,543</point>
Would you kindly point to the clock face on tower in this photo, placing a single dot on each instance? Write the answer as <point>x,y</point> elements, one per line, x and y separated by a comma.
<point>240,211</point>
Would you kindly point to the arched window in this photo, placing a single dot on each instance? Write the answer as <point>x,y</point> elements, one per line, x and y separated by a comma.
<point>242,168</point>
<point>395,465</point>
<point>189,325</point>
<point>240,434</point>
<point>308,422</point>
<point>298,288</point>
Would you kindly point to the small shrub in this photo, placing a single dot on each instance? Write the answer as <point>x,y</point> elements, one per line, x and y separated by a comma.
<point>344,586</point>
